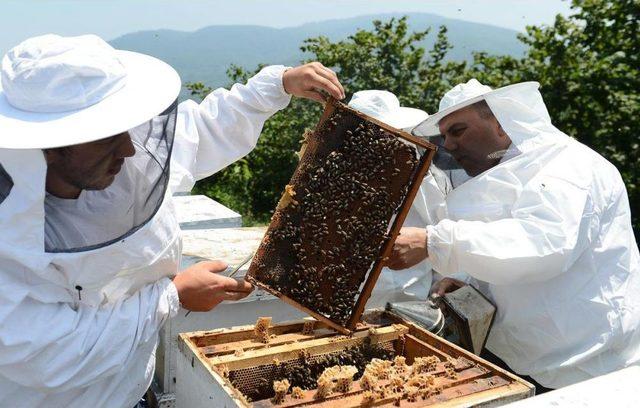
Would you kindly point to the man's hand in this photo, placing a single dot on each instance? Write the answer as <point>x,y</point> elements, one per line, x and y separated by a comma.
<point>446,285</point>
<point>308,80</point>
<point>409,249</point>
<point>200,288</point>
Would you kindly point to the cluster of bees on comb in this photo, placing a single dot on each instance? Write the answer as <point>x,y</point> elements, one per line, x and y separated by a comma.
<point>307,371</point>
<point>341,201</point>
<point>381,379</point>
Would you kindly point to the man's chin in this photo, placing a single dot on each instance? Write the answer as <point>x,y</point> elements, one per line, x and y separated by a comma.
<point>474,170</point>
<point>102,184</point>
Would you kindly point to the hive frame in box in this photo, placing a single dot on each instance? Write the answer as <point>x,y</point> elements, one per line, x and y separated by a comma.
<point>374,272</point>
<point>202,354</point>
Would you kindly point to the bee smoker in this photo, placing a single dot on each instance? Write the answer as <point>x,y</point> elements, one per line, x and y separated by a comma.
<point>463,317</point>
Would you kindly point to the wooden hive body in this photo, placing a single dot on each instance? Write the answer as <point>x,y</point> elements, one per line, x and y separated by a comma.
<point>214,373</point>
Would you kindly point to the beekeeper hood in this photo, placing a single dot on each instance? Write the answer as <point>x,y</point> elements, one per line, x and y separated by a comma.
<point>63,91</point>
<point>519,109</point>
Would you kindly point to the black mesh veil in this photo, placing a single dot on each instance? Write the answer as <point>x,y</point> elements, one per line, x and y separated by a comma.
<point>442,159</point>
<point>101,217</point>
<point>6,183</point>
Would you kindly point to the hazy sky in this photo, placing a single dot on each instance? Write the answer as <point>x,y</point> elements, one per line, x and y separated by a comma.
<point>20,19</point>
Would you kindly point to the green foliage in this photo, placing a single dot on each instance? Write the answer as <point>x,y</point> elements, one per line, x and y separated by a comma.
<point>586,63</point>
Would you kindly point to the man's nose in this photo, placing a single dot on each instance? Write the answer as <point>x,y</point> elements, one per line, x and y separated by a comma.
<point>449,145</point>
<point>125,147</point>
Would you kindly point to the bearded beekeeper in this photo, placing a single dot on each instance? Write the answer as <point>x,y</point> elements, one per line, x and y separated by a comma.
<point>427,208</point>
<point>544,227</point>
<point>92,144</point>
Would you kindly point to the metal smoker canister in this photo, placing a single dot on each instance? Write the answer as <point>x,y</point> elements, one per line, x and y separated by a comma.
<point>463,317</point>
<point>425,314</point>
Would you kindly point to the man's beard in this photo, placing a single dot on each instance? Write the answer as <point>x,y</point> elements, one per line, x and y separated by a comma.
<point>88,179</point>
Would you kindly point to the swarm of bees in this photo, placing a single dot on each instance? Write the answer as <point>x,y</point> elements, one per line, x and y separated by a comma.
<point>340,202</point>
<point>261,329</point>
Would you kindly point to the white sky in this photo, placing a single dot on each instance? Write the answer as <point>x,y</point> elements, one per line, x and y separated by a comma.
<point>20,19</point>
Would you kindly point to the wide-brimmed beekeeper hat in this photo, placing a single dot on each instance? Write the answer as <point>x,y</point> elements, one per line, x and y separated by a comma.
<point>385,106</point>
<point>466,94</point>
<point>59,91</point>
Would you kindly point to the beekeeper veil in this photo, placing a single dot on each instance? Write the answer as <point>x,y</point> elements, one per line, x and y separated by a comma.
<point>519,109</point>
<point>62,93</point>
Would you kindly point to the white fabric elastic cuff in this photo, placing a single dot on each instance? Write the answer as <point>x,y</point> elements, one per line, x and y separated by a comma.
<point>171,294</point>
<point>277,71</point>
<point>439,246</point>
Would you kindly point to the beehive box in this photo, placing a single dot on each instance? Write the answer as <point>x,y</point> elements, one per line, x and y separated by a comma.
<point>339,215</point>
<point>234,368</point>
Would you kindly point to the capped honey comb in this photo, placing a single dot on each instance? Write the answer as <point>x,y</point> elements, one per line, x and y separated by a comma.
<point>339,214</point>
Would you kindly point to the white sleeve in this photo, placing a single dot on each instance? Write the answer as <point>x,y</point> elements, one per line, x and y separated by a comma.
<point>54,348</point>
<point>548,229</point>
<point>224,127</point>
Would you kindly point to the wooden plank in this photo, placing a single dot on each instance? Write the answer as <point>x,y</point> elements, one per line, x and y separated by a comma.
<point>285,352</point>
<point>415,347</point>
<point>489,397</point>
<point>242,333</point>
<point>253,343</point>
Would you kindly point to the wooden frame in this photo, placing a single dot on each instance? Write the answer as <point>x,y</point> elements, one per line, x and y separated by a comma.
<point>374,272</point>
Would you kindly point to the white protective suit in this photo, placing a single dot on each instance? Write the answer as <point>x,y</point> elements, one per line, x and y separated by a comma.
<point>548,234</point>
<point>79,328</point>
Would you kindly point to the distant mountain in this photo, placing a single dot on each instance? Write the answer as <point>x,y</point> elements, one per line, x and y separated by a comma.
<point>204,55</point>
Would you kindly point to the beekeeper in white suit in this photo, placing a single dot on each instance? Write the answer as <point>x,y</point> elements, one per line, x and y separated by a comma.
<point>427,208</point>
<point>89,236</point>
<point>544,226</point>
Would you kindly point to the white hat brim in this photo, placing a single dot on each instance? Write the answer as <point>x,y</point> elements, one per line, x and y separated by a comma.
<point>429,127</point>
<point>151,87</point>
<point>404,118</point>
